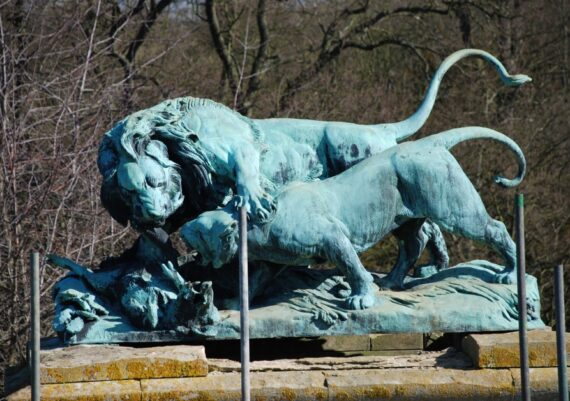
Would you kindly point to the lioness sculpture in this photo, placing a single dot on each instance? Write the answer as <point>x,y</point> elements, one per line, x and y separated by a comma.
<point>394,191</point>
<point>164,165</point>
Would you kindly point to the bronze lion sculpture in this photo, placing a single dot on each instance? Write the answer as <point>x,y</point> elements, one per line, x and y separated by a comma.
<point>397,190</point>
<point>164,165</point>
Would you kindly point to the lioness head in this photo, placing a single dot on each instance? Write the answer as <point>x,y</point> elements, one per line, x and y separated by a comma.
<point>214,235</point>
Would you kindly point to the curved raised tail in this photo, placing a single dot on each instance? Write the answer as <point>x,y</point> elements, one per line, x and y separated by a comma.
<point>448,139</point>
<point>408,127</point>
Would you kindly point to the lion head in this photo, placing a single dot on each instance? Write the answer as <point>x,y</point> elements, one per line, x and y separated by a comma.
<point>214,235</point>
<point>154,171</point>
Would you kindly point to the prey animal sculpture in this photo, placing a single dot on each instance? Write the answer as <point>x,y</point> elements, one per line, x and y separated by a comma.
<point>149,290</point>
<point>394,191</point>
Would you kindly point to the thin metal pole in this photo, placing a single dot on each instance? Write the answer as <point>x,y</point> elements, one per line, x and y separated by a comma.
<point>560,333</point>
<point>244,306</point>
<point>35,325</point>
<point>521,286</point>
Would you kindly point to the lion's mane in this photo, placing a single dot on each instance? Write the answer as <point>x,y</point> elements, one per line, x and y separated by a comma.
<point>169,125</point>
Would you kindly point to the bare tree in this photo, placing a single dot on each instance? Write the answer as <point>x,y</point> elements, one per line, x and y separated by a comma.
<point>357,25</point>
<point>59,92</point>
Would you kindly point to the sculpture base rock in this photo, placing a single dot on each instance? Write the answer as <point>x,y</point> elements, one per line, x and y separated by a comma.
<point>303,302</point>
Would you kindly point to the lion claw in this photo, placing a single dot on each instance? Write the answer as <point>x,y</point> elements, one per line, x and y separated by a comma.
<point>263,209</point>
<point>269,204</point>
<point>239,201</point>
<point>261,215</point>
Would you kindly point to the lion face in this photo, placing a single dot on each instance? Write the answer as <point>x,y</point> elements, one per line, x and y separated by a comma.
<point>151,191</point>
<point>141,183</point>
<point>214,235</point>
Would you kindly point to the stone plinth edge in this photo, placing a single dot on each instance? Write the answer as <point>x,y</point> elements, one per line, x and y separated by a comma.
<point>84,363</point>
<point>364,384</point>
<point>501,350</point>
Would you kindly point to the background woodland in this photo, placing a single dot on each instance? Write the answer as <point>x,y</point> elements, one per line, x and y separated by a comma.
<point>70,69</point>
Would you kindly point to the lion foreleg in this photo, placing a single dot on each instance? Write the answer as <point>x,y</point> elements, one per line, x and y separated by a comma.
<point>498,237</point>
<point>260,204</point>
<point>339,250</point>
<point>412,242</point>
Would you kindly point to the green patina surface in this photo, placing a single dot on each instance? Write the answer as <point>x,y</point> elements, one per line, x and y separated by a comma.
<point>314,191</point>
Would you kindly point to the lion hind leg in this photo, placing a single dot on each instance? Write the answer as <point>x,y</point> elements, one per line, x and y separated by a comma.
<point>436,245</point>
<point>498,237</point>
<point>412,241</point>
<point>339,250</point>
<point>483,228</point>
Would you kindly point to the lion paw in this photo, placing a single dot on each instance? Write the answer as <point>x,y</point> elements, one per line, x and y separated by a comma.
<point>238,201</point>
<point>508,277</point>
<point>262,209</point>
<point>358,302</point>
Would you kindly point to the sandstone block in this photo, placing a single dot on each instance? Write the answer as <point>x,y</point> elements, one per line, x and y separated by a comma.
<point>543,383</point>
<point>226,386</point>
<point>428,384</point>
<point>128,390</point>
<point>448,359</point>
<point>404,384</point>
<point>396,341</point>
<point>501,350</point>
<point>387,353</point>
<point>106,362</point>
<point>346,343</point>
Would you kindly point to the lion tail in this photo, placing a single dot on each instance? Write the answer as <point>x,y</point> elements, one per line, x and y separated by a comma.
<point>408,127</point>
<point>453,137</point>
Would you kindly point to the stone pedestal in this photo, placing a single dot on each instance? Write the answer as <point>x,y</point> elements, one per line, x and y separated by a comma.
<point>183,372</point>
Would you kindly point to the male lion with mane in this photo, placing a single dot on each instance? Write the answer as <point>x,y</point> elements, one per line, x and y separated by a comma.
<point>164,165</point>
